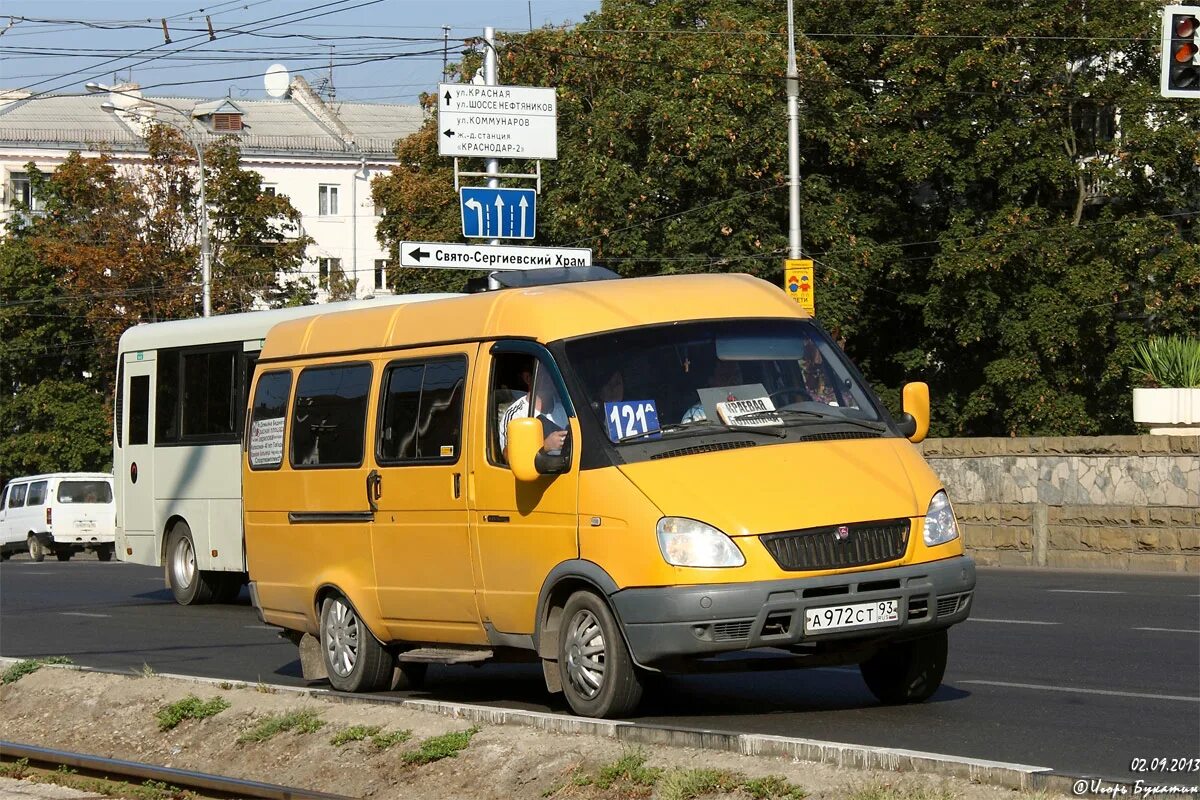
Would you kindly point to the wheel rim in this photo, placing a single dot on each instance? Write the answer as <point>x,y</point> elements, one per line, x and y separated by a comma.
<point>585,654</point>
<point>35,547</point>
<point>341,638</point>
<point>183,563</point>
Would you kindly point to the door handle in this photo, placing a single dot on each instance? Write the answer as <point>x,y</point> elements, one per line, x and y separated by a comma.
<point>495,518</point>
<point>374,489</point>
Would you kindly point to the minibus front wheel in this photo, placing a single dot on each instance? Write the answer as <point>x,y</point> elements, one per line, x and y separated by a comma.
<point>354,658</point>
<point>597,673</point>
<point>907,672</point>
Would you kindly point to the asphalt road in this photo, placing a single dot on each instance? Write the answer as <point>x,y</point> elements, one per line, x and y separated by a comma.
<point>1075,671</point>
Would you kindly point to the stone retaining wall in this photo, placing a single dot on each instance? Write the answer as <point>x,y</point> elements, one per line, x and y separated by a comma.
<point>1110,502</point>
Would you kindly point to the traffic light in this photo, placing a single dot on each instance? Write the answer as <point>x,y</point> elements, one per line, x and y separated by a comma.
<point>1180,46</point>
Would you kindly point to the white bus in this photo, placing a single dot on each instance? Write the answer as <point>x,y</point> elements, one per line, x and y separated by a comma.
<point>179,409</point>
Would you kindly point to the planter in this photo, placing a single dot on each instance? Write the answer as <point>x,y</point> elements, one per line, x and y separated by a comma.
<point>1172,412</point>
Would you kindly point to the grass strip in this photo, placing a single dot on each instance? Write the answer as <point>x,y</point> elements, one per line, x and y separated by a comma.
<point>435,748</point>
<point>29,666</point>
<point>305,721</point>
<point>190,707</point>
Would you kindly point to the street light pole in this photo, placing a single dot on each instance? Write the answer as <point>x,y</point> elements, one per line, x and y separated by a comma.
<point>793,111</point>
<point>189,133</point>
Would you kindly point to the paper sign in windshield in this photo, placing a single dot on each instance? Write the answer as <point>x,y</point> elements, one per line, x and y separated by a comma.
<point>266,442</point>
<point>630,418</point>
<point>752,412</point>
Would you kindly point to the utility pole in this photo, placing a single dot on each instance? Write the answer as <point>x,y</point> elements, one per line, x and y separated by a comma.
<point>793,111</point>
<point>445,50</point>
<point>491,77</point>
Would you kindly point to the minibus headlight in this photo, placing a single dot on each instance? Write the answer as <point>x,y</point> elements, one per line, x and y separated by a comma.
<point>688,543</point>
<point>940,526</point>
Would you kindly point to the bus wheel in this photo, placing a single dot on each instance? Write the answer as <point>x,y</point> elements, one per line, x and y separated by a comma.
<point>191,586</point>
<point>354,658</point>
<point>105,553</point>
<point>907,672</point>
<point>598,676</point>
<point>36,551</point>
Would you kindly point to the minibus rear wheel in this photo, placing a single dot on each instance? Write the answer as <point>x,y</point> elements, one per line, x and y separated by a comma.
<point>354,658</point>
<point>37,550</point>
<point>597,673</point>
<point>907,672</point>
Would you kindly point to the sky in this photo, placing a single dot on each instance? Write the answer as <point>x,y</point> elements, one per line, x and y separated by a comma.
<point>384,51</point>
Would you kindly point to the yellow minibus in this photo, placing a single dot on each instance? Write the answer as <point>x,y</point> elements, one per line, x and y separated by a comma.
<point>614,477</point>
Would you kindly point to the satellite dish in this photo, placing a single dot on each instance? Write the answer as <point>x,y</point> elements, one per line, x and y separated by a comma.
<point>276,80</point>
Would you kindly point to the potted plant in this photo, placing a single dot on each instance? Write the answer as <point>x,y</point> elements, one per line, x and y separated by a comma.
<point>1170,365</point>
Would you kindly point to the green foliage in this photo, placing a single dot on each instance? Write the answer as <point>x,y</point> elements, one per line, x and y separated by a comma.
<point>17,770</point>
<point>380,738</point>
<point>28,666</point>
<point>304,721</point>
<point>629,769</point>
<point>773,787</point>
<point>975,222</point>
<point>1169,361</point>
<point>190,707</point>
<point>435,748</point>
<point>687,784</point>
<point>886,791</point>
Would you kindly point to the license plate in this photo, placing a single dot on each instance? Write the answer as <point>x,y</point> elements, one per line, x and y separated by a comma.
<point>853,615</point>
<point>85,524</point>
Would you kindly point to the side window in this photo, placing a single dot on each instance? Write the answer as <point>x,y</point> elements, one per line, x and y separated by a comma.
<point>208,385</point>
<point>119,400</point>
<point>37,494</point>
<point>4,499</point>
<point>267,417</point>
<point>166,404</point>
<point>421,416</point>
<point>329,416</point>
<point>139,409</point>
<point>522,387</point>
<point>17,496</point>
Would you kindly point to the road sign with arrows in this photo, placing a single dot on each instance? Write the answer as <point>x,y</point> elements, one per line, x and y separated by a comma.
<point>497,121</point>
<point>498,213</point>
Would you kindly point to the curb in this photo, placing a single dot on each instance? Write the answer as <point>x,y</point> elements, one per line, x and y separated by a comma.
<point>1007,775</point>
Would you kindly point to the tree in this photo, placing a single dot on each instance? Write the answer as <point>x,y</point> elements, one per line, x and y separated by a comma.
<point>997,200</point>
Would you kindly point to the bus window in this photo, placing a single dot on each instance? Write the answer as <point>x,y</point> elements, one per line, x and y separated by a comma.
<point>329,416</point>
<point>267,419</point>
<point>208,392</point>
<point>422,412</point>
<point>166,405</point>
<point>139,409</point>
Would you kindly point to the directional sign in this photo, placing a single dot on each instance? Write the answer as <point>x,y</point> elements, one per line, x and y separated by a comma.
<point>497,121</point>
<point>441,255</point>
<point>498,213</point>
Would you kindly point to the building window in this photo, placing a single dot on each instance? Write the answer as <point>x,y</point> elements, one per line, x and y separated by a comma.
<point>381,268</point>
<point>269,190</point>
<point>327,200</point>
<point>22,192</point>
<point>227,122</point>
<point>326,268</point>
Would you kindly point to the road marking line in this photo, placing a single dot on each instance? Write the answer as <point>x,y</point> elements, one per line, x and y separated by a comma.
<point>261,627</point>
<point>37,572</point>
<point>1168,630</point>
<point>1078,690</point>
<point>1084,591</point>
<point>1012,621</point>
<point>82,614</point>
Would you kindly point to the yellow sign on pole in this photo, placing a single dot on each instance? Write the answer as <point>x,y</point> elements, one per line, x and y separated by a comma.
<point>798,282</point>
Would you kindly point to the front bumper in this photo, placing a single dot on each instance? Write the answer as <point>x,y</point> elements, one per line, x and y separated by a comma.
<point>670,623</point>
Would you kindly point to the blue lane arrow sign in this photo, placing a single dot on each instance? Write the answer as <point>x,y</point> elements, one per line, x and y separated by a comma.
<point>498,213</point>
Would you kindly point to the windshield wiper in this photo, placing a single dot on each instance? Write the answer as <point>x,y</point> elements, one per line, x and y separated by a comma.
<point>702,427</point>
<point>826,416</point>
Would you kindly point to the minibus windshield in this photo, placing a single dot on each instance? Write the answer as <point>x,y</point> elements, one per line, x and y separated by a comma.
<point>685,378</point>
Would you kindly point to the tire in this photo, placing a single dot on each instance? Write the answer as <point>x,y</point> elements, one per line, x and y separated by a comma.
<point>191,586</point>
<point>409,676</point>
<point>907,672</point>
<point>5,555</point>
<point>105,553</point>
<point>354,658</point>
<point>63,554</point>
<point>598,676</point>
<point>227,587</point>
<point>37,550</point>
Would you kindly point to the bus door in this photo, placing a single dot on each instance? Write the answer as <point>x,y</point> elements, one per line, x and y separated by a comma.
<point>522,530</point>
<point>420,536</point>
<point>135,474</point>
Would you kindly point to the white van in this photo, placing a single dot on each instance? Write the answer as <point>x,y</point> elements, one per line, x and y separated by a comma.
<point>61,513</point>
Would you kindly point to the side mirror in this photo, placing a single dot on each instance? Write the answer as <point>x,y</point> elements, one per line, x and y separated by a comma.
<point>915,422</point>
<point>524,444</point>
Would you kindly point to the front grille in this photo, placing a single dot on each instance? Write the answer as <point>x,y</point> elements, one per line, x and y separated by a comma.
<point>951,603</point>
<point>729,631</point>
<point>828,437</point>
<point>839,546</point>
